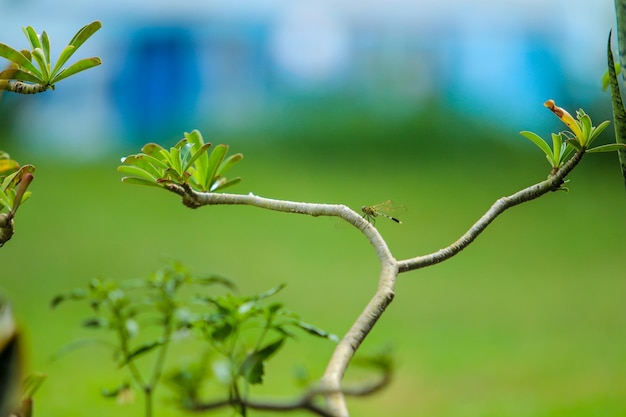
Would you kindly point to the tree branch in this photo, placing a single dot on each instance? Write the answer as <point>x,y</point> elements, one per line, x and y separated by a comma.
<point>553,183</point>
<point>304,402</point>
<point>330,385</point>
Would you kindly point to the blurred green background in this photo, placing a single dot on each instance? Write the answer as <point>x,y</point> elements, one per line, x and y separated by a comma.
<point>529,320</point>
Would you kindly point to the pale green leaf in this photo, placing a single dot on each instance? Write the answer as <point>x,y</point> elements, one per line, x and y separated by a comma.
<point>537,140</point>
<point>611,147</point>
<point>76,67</point>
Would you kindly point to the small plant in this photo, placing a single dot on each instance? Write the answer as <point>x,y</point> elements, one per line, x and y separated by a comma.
<point>236,330</point>
<point>24,77</point>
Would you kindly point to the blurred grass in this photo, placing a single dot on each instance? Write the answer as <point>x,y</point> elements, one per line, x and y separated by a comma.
<point>528,321</point>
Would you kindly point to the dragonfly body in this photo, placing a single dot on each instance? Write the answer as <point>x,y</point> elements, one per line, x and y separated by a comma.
<point>385,209</point>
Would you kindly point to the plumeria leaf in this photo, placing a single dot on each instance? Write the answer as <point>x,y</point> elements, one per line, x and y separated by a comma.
<point>38,55</point>
<point>137,172</point>
<point>45,46</point>
<point>76,67</point>
<point>619,113</point>
<point>32,37</point>
<point>611,147</point>
<point>16,74</point>
<point>537,140</point>
<point>140,181</point>
<point>15,56</point>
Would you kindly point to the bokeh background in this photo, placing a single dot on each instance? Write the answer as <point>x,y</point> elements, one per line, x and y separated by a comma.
<point>336,102</point>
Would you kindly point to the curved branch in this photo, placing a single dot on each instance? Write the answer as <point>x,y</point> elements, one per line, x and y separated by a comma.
<point>331,381</point>
<point>194,199</point>
<point>304,402</point>
<point>553,183</point>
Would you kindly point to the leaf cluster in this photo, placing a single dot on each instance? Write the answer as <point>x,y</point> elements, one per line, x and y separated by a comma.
<point>579,138</point>
<point>11,175</point>
<point>188,163</point>
<point>41,72</point>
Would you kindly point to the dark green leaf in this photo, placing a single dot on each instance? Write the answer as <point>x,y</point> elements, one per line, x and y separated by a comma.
<point>222,332</point>
<point>252,367</point>
<point>619,113</point>
<point>78,294</point>
<point>316,331</point>
<point>142,350</point>
<point>96,322</point>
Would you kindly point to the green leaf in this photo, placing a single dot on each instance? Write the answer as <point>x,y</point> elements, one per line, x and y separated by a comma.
<point>229,163</point>
<point>45,45</point>
<point>215,159</point>
<point>85,33</point>
<point>619,113</point>
<point>65,54</point>
<point>32,37</point>
<point>142,350</point>
<point>537,140</point>
<point>43,65</point>
<point>611,147</point>
<point>557,147</point>
<point>15,56</point>
<point>136,171</point>
<point>154,150</point>
<point>96,322</point>
<point>316,331</point>
<point>252,367</point>
<point>196,156</point>
<point>597,130</point>
<point>620,11</point>
<point>222,183</point>
<point>76,67</point>
<point>140,181</point>
<point>81,36</point>
<point>269,293</point>
<point>15,74</point>
<point>202,163</point>
<point>77,294</point>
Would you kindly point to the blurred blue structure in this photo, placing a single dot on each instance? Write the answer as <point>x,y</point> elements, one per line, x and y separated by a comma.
<point>172,67</point>
<point>159,82</point>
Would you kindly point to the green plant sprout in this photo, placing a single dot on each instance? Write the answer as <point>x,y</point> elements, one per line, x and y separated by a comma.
<point>579,138</point>
<point>24,77</point>
<point>130,308</point>
<point>186,164</point>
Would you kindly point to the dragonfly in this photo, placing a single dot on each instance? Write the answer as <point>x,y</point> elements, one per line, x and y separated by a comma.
<point>384,209</point>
